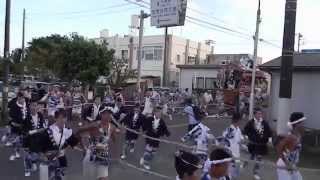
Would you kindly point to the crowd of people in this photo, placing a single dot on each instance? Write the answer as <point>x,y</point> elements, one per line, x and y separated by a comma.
<point>39,130</point>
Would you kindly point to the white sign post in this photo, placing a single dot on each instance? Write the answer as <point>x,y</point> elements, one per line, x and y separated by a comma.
<point>165,13</point>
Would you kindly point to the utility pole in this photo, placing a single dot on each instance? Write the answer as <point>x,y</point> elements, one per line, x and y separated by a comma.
<point>165,59</point>
<point>130,52</point>
<point>142,17</point>
<point>6,62</point>
<point>300,36</point>
<point>23,33</point>
<point>255,57</point>
<point>286,69</point>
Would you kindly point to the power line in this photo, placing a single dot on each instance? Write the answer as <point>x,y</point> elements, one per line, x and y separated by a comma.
<point>202,21</point>
<point>270,43</point>
<point>224,29</point>
<point>138,4</point>
<point>144,2</point>
<point>201,13</point>
<point>80,12</point>
<point>220,27</point>
<point>208,15</point>
<point>217,29</point>
<point>91,15</point>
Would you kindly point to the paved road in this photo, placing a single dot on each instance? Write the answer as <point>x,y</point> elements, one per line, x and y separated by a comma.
<point>163,163</point>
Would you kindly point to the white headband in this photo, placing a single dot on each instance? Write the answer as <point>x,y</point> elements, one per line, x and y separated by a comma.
<point>220,161</point>
<point>208,163</point>
<point>194,165</point>
<point>178,155</point>
<point>106,108</point>
<point>297,121</point>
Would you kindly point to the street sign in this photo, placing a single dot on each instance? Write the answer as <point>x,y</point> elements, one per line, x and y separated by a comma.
<point>166,13</point>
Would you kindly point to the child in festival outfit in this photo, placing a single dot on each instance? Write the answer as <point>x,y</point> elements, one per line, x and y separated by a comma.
<point>132,121</point>
<point>233,137</point>
<point>18,113</point>
<point>259,134</point>
<point>33,124</point>
<point>101,134</point>
<point>155,127</point>
<point>52,143</point>
<point>289,149</point>
<point>201,137</point>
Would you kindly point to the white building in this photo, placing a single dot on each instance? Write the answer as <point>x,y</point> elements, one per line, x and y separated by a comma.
<point>180,51</point>
<point>305,88</point>
<point>202,76</point>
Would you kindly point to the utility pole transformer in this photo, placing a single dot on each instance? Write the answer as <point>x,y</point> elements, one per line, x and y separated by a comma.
<point>286,69</point>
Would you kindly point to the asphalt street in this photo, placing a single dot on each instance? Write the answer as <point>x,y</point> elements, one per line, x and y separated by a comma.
<point>162,164</point>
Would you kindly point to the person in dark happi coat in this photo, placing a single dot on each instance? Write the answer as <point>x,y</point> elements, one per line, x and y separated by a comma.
<point>155,127</point>
<point>216,167</point>
<point>18,110</point>
<point>118,112</point>
<point>133,120</point>
<point>52,143</point>
<point>259,134</point>
<point>33,124</point>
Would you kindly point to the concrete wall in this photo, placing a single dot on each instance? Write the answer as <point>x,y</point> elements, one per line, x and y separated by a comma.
<point>186,76</point>
<point>305,96</point>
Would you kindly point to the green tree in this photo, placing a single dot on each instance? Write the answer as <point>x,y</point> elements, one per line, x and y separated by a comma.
<point>68,58</point>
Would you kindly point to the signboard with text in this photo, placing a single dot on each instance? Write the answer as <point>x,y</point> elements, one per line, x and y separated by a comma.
<point>166,13</point>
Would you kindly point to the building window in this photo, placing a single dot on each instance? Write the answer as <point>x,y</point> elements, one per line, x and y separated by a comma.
<point>203,83</point>
<point>178,58</point>
<point>124,54</point>
<point>191,60</point>
<point>198,83</point>
<point>152,53</point>
<point>210,83</point>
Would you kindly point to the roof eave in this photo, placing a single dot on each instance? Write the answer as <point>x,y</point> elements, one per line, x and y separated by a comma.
<point>299,68</point>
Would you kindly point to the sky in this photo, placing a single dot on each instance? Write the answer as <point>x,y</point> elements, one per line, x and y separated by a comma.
<point>88,17</point>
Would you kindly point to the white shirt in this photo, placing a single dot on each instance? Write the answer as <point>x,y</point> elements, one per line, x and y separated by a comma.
<point>95,111</point>
<point>23,108</point>
<point>234,136</point>
<point>56,133</point>
<point>201,136</point>
<point>156,123</point>
<point>191,117</point>
<point>35,120</point>
<point>207,97</point>
<point>147,106</point>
